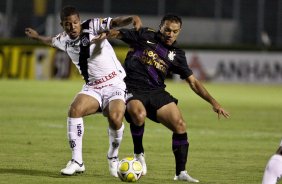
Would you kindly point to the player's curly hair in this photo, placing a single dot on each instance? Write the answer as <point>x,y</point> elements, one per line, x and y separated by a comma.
<point>172,18</point>
<point>68,11</point>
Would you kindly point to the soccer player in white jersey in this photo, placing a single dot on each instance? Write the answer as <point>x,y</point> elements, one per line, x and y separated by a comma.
<point>273,170</point>
<point>104,88</point>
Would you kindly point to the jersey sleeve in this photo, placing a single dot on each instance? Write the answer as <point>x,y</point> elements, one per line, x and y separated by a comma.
<point>180,66</point>
<point>99,25</point>
<point>58,42</point>
<point>105,24</point>
<point>131,36</point>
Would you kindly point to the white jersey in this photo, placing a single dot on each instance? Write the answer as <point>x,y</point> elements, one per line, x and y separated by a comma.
<point>96,62</point>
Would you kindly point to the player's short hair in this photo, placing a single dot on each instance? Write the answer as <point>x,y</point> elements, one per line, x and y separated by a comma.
<point>68,11</point>
<point>172,18</point>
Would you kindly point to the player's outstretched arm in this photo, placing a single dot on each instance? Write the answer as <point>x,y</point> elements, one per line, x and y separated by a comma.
<point>31,33</point>
<point>126,20</point>
<point>200,90</point>
<point>119,22</point>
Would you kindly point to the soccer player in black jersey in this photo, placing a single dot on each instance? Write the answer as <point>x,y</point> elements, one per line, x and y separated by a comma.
<point>154,54</point>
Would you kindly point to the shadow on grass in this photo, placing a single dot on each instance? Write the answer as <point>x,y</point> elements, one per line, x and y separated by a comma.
<point>31,172</point>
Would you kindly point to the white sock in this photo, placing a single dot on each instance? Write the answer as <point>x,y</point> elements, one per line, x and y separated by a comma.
<point>115,138</point>
<point>75,134</point>
<point>273,170</point>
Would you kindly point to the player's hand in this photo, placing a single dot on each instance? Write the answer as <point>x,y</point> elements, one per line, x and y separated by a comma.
<point>221,112</point>
<point>31,33</point>
<point>137,23</point>
<point>100,37</point>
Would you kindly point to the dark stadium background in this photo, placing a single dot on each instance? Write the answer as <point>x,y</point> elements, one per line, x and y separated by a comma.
<point>253,16</point>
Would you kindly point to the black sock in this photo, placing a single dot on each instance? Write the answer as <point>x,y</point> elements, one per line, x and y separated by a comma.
<point>137,136</point>
<point>180,147</point>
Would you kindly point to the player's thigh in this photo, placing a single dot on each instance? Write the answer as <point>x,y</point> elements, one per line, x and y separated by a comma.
<point>136,110</point>
<point>83,105</point>
<point>170,116</point>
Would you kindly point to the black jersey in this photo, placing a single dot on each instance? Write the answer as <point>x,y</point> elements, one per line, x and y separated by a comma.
<point>149,60</point>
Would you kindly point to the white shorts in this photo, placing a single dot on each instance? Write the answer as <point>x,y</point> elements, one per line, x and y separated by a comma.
<point>105,94</point>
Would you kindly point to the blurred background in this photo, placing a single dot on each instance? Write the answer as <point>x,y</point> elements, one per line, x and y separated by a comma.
<point>224,40</point>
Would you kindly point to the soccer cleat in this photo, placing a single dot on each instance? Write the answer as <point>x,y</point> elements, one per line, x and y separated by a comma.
<point>73,167</point>
<point>183,176</point>
<point>141,158</point>
<point>113,166</point>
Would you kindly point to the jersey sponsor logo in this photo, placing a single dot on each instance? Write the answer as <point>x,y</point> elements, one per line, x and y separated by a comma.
<point>151,58</point>
<point>171,55</point>
<point>103,79</point>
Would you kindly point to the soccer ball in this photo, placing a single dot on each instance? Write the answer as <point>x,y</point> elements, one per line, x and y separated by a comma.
<point>129,169</point>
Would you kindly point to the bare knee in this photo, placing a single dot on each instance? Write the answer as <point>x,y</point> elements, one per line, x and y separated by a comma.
<point>138,117</point>
<point>180,126</point>
<point>115,120</point>
<point>75,111</point>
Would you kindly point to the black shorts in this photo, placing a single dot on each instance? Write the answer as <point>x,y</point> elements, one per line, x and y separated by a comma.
<point>152,101</point>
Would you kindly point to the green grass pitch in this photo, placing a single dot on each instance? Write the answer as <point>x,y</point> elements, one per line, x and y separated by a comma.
<point>34,147</point>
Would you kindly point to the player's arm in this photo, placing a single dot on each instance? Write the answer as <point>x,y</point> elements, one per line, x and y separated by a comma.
<point>114,34</point>
<point>31,33</point>
<point>126,20</point>
<point>119,22</point>
<point>200,90</point>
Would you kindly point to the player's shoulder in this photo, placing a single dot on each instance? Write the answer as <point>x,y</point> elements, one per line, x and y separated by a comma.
<point>61,40</point>
<point>148,30</point>
<point>61,37</point>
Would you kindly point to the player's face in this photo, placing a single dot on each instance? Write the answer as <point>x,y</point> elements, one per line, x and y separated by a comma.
<point>71,25</point>
<point>170,31</point>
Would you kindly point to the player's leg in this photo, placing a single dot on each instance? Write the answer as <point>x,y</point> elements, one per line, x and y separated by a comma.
<point>114,103</point>
<point>273,170</point>
<point>81,106</point>
<point>135,115</point>
<point>115,113</point>
<point>170,116</point>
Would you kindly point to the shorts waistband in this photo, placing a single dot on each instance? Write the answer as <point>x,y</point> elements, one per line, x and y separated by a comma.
<point>98,86</point>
